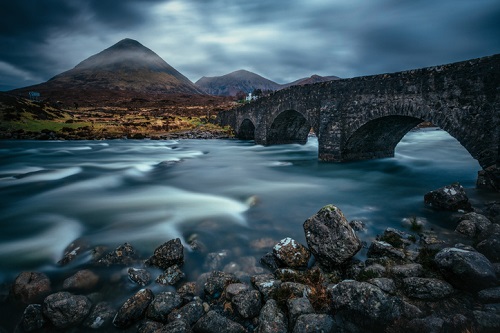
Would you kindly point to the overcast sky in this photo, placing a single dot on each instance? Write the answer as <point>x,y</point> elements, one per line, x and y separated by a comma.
<point>282,40</point>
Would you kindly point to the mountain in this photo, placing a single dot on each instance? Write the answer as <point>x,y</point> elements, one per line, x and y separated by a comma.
<point>230,84</point>
<point>126,68</point>
<point>242,80</point>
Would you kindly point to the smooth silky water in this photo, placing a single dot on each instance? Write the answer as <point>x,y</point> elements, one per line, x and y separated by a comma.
<point>226,192</point>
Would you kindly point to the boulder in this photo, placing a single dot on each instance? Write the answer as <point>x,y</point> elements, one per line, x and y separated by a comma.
<point>489,178</point>
<point>296,308</point>
<point>489,242</point>
<point>73,250</point>
<point>430,324</point>
<point>451,197</point>
<point>427,289</point>
<point>406,271</point>
<point>379,249</point>
<point>472,224</point>
<point>178,326</point>
<point>139,276</point>
<point>294,288</point>
<point>375,312</point>
<point>32,318</point>
<point>123,255</point>
<point>213,322</point>
<point>66,310</point>
<point>266,284</point>
<point>247,303</point>
<point>171,276</point>
<point>189,313</point>
<point>162,305</point>
<point>133,309</point>
<point>467,270</point>
<point>330,237</point>
<point>385,284</point>
<point>488,321</point>
<point>101,316</point>
<point>313,323</point>
<point>168,254</point>
<point>217,282</point>
<point>490,295</point>
<point>30,287</point>
<point>234,289</point>
<point>291,253</point>
<point>150,326</point>
<point>81,280</point>
<point>272,319</point>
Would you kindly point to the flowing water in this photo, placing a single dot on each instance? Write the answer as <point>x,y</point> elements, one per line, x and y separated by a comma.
<point>229,193</point>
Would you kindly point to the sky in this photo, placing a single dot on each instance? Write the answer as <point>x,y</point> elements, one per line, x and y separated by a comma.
<point>282,40</point>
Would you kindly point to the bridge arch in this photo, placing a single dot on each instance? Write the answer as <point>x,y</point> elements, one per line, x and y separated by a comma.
<point>289,126</point>
<point>246,130</point>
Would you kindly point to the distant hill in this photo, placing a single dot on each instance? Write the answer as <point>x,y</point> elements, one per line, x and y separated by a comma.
<point>230,84</point>
<point>126,69</point>
<point>242,80</point>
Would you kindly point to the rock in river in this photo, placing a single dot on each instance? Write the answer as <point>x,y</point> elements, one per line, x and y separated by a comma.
<point>451,197</point>
<point>133,309</point>
<point>168,254</point>
<point>291,253</point>
<point>66,310</point>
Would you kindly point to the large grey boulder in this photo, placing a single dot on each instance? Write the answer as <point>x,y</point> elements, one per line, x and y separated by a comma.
<point>66,310</point>
<point>330,237</point>
<point>451,197</point>
<point>464,269</point>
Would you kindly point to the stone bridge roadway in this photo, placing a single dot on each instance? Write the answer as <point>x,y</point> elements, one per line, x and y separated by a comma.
<point>366,117</point>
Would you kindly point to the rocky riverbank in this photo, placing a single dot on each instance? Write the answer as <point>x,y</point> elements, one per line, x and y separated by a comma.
<point>411,281</point>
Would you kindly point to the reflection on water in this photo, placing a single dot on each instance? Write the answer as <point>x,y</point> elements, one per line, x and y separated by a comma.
<point>227,192</point>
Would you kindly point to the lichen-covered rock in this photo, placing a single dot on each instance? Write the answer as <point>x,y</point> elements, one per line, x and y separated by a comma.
<point>32,318</point>
<point>168,254</point>
<point>217,282</point>
<point>213,322</point>
<point>190,313</point>
<point>66,310</point>
<point>427,289</point>
<point>330,237</point>
<point>123,255</point>
<point>139,276</point>
<point>171,276</point>
<point>162,305</point>
<point>297,307</point>
<point>376,310</point>
<point>133,309</point>
<point>468,270</point>
<point>272,319</point>
<point>82,280</point>
<point>101,316</point>
<point>247,303</point>
<point>30,287</point>
<point>313,323</point>
<point>451,197</point>
<point>291,253</point>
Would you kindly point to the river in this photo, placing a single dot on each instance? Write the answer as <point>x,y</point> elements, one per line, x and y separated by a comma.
<point>229,193</point>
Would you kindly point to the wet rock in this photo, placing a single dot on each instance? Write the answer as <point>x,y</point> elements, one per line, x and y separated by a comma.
<point>188,291</point>
<point>429,324</point>
<point>32,318</point>
<point>139,276</point>
<point>297,307</point>
<point>123,255</point>
<point>162,305</point>
<point>101,316</point>
<point>213,322</point>
<point>133,309</point>
<point>472,224</point>
<point>171,276</point>
<point>249,265</point>
<point>427,289</point>
<point>489,244</point>
<point>487,320</point>
<point>217,282</point>
<point>266,284</point>
<point>72,251</point>
<point>270,261</point>
<point>451,197</point>
<point>358,226</point>
<point>330,237</point>
<point>374,271</point>
<point>262,243</point>
<point>384,284</point>
<point>232,267</point>
<point>168,254</point>
<point>66,310</point>
<point>380,249</point>
<point>234,289</point>
<point>178,326</point>
<point>295,289</point>
<point>466,270</point>
<point>150,326</point>
<point>81,280</point>
<point>376,311</point>
<point>314,323</point>
<point>247,303</point>
<point>291,253</point>
<point>216,260</point>
<point>406,271</point>
<point>397,238</point>
<point>30,287</point>
<point>190,313</point>
<point>489,178</point>
<point>272,319</point>
<point>491,295</point>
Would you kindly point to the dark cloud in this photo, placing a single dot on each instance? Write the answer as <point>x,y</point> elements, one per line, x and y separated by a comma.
<point>282,40</point>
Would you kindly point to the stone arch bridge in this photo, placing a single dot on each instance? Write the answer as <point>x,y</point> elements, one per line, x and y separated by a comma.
<point>366,117</point>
